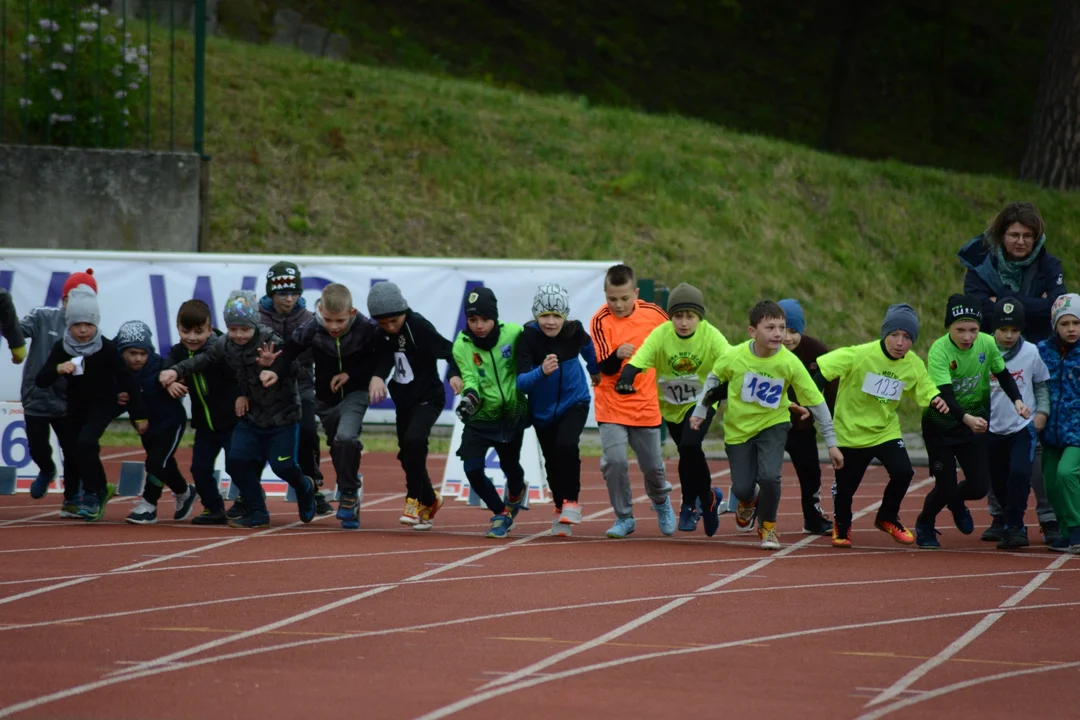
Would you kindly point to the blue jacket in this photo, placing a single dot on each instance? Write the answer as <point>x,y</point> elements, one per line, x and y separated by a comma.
<point>552,395</point>
<point>1044,275</point>
<point>1063,427</point>
<point>163,412</point>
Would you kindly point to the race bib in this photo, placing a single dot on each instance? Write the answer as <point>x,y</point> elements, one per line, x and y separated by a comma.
<point>882,387</point>
<point>764,391</point>
<point>403,374</point>
<point>681,391</point>
<point>77,361</point>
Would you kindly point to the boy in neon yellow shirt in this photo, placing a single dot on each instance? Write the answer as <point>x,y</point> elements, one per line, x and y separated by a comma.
<point>757,419</point>
<point>873,378</point>
<point>683,351</point>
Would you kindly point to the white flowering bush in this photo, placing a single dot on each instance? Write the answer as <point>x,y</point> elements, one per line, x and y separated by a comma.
<point>82,80</point>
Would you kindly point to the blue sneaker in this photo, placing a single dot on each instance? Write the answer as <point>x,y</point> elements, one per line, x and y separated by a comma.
<point>41,484</point>
<point>964,522</point>
<point>622,528</point>
<point>516,506</point>
<point>688,518</point>
<point>500,525</point>
<point>926,536</point>
<point>348,511</point>
<point>712,514</point>
<point>305,500</point>
<point>665,517</point>
<point>91,507</point>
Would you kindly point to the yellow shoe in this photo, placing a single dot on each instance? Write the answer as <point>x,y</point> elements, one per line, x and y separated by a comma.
<point>769,539</point>
<point>411,514</point>
<point>745,515</point>
<point>427,513</point>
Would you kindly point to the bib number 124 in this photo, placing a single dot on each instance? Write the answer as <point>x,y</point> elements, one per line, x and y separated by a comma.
<point>764,391</point>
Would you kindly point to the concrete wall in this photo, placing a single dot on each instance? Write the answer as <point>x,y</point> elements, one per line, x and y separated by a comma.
<point>99,199</point>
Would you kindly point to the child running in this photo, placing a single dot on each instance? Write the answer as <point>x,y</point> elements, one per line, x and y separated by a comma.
<point>268,407</point>
<point>683,352</point>
<point>960,364</point>
<point>1061,437</point>
<point>551,375</point>
<point>418,394</point>
<point>495,414</point>
<point>167,423</point>
<point>619,328</point>
<point>873,378</point>
<point>95,372</point>
<point>757,419</point>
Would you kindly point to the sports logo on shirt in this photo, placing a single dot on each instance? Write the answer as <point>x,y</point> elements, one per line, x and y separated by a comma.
<point>982,358</point>
<point>401,341</point>
<point>507,351</point>
<point>477,361</point>
<point>685,363</point>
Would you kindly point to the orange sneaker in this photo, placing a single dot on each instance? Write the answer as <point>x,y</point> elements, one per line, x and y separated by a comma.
<point>841,537</point>
<point>745,516</point>
<point>898,532</point>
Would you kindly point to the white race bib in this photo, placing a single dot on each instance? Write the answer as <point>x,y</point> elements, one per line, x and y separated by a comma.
<point>764,391</point>
<point>681,391</point>
<point>882,387</point>
<point>403,374</point>
<point>77,361</point>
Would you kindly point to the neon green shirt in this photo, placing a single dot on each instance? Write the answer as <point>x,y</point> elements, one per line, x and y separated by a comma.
<point>968,371</point>
<point>871,385</point>
<point>757,397</point>
<point>682,364</point>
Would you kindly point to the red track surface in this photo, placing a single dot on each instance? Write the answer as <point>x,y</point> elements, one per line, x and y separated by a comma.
<point>176,621</point>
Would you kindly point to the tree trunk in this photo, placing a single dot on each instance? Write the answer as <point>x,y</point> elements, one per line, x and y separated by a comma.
<point>1053,154</point>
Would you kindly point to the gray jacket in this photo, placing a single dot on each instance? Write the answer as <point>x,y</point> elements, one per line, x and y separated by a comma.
<point>43,327</point>
<point>267,407</point>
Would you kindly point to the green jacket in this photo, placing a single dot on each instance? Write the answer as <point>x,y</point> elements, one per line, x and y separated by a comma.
<point>492,374</point>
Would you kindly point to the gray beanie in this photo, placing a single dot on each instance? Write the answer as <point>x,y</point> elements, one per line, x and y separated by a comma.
<point>551,298</point>
<point>900,317</point>
<point>242,309</point>
<point>686,297</point>
<point>82,306</point>
<point>134,334</point>
<point>385,300</point>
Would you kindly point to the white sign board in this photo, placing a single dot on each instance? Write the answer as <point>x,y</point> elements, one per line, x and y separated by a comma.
<point>455,484</point>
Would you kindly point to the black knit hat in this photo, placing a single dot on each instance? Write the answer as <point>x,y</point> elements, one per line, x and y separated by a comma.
<point>1009,312</point>
<point>284,277</point>
<point>482,302</point>
<point>963,307</point>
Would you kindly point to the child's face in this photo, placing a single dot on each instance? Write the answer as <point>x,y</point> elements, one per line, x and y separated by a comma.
<point>392,325</point>
<point>1068,328</point>
<point>284,302</point>
<point>480,326</point>
<point>550,323</point>
<point>791,339</point>
<point>195,338</point>
<point>897,343</point>
<point>336,323</point>
<point>621,299</point>
<point>685,322</point>
<point>83,331</point>
<point>135,358</point>
<point>769,333</point>
<point>241,334</point>
<point>963,333</point>
<point>1006,336</point>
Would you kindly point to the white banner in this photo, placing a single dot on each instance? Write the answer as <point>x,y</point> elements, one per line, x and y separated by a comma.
<point>15,450</point>
<point>151,286</point>
<point>455,484</point>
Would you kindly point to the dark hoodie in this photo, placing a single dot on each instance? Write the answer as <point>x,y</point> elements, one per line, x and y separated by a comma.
<point>163,411</point>
<point>104,375</point>
<point>213,392</point>
<point>285,326</point>
<point>413,354</point>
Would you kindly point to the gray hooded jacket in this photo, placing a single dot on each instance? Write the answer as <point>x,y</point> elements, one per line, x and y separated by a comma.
<point>44,326</point>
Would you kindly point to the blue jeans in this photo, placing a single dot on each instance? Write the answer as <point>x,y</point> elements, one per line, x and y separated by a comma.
<point>1011,457</point>
<point>252,447</point>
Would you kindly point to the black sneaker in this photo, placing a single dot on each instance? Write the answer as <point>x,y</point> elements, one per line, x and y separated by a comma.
<point>185,504</point>
<point>305,500</point>
<point>211,517</point>
<point>996,531</point>
<point>817,525</point>
<point>1051,532</point>
<point>322,505</point>
<point>1014,539</point>
<point>237,510</point>
<point>251,521</point>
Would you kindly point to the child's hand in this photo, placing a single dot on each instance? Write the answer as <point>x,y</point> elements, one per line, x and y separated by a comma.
<point>470,403</point>
<point>338,381</point>
<point>167,377</point>
<point>1040,421</point>
<point>1022,410</point>
<point>595,379</point>
<point>65,368</point>
<point>977,424</point>
<point>456,385</point>
<point>836,457</point>
<point>177,390</point>
<point>268,378</point>
<point>267,356</point>
<point>798,412</point>
<point>551,364</point>
<point>696,423</point>
<point>18,354</point>
<point>141,426</point>
<point>624,388</point>
<point>625,351</point>
<point>122,399</point>
<point>241,406</point>
<point>940,405</point>
<point>376,390</point>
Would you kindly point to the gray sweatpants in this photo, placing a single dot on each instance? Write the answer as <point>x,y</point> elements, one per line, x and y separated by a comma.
<point>1043,510</point>
<point>756,466</point>
<point>343,424</point>
<point>616,467</point>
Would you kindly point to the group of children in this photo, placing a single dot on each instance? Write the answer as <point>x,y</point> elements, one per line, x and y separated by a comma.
<point>987,402</point>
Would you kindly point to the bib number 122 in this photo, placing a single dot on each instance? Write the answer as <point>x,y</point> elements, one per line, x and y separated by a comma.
<point>763,391</point>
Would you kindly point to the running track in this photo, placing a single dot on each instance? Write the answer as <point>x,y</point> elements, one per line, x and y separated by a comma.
<point>176,621</point>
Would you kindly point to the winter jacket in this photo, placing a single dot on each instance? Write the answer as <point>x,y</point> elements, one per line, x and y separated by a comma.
<point>212,392</point>
<point>270,407</point>
<point>357,353</point>
<point>1044,275</point>
<point>104,375</point>
<point>492,375</point>
<point>552,395</point>
<point>413,354</point>
<point>9,321</point>
<point>1063,426</point>
<point>285,326</point>
<point>163,411</point>
<point>44,326</point>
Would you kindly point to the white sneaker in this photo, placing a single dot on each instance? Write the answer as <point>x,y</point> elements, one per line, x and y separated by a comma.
<point>185,504</point>
<point>559,528</point>
<point>571,513</point>
<point>143,514</point>
<point>769,539</point>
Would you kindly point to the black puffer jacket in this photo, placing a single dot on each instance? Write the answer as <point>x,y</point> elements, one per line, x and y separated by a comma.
<point>354,352</point>
<point>285,326</point>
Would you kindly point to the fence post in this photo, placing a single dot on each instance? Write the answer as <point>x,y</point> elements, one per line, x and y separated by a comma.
<point>200,73</point>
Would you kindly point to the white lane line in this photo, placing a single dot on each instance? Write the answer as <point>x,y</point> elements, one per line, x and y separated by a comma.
<point>946,653</point>
<point>8,523</point>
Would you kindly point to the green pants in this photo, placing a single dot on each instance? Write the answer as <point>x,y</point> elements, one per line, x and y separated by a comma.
<point>1061,474</point>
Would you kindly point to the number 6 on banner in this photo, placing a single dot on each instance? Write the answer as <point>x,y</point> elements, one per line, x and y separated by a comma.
<point>14,438</point>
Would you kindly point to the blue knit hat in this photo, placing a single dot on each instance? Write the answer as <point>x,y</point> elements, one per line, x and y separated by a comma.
<point>242,309</point>
<point>793,312</point>
<point>134,334</point>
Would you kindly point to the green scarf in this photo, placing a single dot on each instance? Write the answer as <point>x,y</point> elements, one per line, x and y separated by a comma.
<point>1011,272</point>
